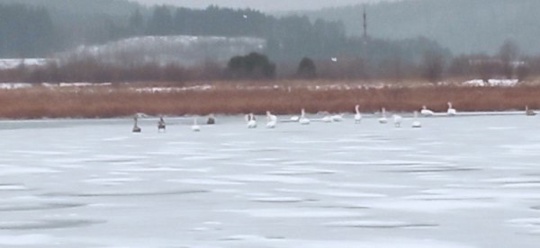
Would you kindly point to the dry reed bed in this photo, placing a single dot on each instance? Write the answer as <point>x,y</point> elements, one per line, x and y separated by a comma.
<point>107,102</point>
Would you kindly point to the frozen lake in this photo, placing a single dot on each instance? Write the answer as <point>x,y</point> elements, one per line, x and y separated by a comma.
<point>457,182</point>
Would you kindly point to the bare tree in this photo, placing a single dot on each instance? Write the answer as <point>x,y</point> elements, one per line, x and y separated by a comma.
<point>433,66</point>
<point>508,55</point>
<point>522,72</point>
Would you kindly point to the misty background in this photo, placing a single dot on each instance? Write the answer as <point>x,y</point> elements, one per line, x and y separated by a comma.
<point>463,26</point>
<point>262,5</point>
<point>401,40</point>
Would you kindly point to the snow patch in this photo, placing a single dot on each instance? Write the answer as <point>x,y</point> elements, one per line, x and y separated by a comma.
<point>14,63</point>
<point>492,82</point>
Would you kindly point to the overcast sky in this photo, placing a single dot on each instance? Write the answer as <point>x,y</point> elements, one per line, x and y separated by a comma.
<point>264,5</point>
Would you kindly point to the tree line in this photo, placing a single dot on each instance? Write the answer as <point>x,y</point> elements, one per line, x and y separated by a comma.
<point>296,47</point>
<point>26,31</point>
<point>434,67</point>
<point>463,26</point>
<point>35,31</point>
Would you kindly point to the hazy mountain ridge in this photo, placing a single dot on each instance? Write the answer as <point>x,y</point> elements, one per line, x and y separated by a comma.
<point>464,26</point>
<point>84,8</point>
<point>288,38</point>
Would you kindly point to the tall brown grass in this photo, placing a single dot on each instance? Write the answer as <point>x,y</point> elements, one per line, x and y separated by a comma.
<point>115,101</point>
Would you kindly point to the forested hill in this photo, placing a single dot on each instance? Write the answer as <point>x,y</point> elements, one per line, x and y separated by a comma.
<point>81,7</point>
<point>464,26</point>
<point>42,27</point>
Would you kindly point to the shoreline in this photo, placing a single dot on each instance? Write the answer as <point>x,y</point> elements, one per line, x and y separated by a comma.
<point>105,102</point>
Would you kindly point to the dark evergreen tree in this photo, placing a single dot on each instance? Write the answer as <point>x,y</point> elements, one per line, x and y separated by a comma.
<point>307,69</point>
<point>136,23</point>
<point>161,22</point>
<point>252,66</point>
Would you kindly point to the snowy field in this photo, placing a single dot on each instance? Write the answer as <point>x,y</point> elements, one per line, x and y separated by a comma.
<point>457,182</point>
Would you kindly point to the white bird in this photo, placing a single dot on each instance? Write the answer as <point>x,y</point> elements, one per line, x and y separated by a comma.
<point>337,118</point>
<point>272,120</point>
<point>383,119</point>
<point>357,116</point>
<point>251,122</point>
<point>136,128</point>
<point>295,118</point>
<point>451,111</point>
<point>195,127</point>
<point>334,59</point>
<point>529,112</point>
<point>397,120</point>
<point>426,112</point>
<point>327,119</point>
<point>303,120</point>
<point>416,123</point>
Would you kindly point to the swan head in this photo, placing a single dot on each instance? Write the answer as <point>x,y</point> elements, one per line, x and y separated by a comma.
<point>449,104</point>
<point>424,107</point>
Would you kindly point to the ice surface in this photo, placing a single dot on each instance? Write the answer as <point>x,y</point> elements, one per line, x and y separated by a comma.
<point>468,182</point>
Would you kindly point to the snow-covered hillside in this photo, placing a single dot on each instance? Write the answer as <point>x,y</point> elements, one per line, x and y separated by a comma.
<point>13,63</point>
<point>187,50</point>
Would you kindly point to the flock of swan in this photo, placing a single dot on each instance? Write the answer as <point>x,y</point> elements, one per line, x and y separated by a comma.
<point>272,120</point>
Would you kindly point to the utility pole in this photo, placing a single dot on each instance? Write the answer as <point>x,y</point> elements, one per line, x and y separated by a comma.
<point>365,23</point>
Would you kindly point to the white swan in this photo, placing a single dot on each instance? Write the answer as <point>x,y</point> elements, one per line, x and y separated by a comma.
<point>337,118</point>
<point>136,128</point>
<point>195,127</point>
<point>251,122</point>
<point>303,120</point>
<point>529,112</point>
<point>272,120</point>
<point>295,118</point>
<point>451,111</point>
<point>161,124</point>
<point>383,119</point>
<point>416,123</point>
<point>357,116</point>
<point>397,120</point>
<point>426,112</point>
<point>327,119</point>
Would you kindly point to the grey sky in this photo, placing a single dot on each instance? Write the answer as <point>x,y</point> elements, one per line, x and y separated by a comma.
<point>264,5</point>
